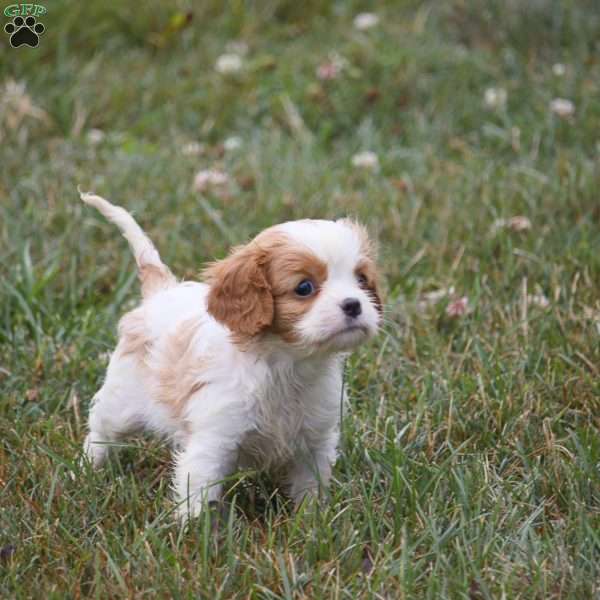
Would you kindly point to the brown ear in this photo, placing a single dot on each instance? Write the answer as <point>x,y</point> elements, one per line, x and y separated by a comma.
<point>240,295</point>
<point>372,284</point>
<point>377,297</point>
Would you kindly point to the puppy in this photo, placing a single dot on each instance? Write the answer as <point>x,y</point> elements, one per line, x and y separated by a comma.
<point>244,369</point>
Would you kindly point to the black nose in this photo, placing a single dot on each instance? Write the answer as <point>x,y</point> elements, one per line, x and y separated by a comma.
<point>351,307</point>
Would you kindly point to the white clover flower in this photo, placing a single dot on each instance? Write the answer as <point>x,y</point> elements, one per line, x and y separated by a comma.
<point>233,143</point>
<point>228,64</point>
<point>95,136</point>
<point>517,223</point>
<point>327,71</point>
<point>539,300</point>
<point>332,67</point>
<point>495,97</point>
<point>366,160</point>
<point>559,69</point>
<point>436,295</point>
<point>562,107</point>
<point>364,21</point>
<point>458,307</point>
<point>192,149</point>
<point>432,298</point>
<point>208,178</point>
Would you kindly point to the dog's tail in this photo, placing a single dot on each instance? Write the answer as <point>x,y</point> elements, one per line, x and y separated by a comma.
<point>153,273</point>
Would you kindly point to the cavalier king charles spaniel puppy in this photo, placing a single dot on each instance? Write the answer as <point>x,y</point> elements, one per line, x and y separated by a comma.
<point>243,369</point>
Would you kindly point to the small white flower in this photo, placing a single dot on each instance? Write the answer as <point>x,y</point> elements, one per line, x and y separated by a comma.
<point>332,67</point>
<point>538,300</point>
<point>232,143</point>
<point>495,97</point>
<point>518,223</point>
<point>95,136</point>
<point>458,307</point>
<point>562,107</point>
<point>364,21</point>
<point>327,71</point>
<point>366,160</point>
<point>228,63</point>
<point>436,295</point>
<point>192,149</point>
<point>432,298</point>
<point>559,69</point>
<point>208,178</point>
<point>237,47</point>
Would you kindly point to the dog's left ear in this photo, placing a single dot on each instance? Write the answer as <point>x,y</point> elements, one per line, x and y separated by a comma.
<point>240,294</point>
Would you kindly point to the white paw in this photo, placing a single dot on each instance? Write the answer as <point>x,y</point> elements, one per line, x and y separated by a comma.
<point>94,451</point>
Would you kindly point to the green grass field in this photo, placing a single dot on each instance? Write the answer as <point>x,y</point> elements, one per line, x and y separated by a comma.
<point>471,455</point>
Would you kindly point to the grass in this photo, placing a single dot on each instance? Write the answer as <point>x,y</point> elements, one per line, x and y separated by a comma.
<point>471,452</point>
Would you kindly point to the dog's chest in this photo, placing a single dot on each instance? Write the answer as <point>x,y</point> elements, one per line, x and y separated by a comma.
<point>280,407</point>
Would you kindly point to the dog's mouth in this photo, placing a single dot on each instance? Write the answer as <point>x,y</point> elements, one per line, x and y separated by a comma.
<point>347,336</point>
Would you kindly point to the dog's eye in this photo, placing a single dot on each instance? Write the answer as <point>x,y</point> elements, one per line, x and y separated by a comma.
<point>362,279</point>
<point>305,288</point>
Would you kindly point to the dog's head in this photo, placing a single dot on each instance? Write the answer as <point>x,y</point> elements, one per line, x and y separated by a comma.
<point>312,283</point>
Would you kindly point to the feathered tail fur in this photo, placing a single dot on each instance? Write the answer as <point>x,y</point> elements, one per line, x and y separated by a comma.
<point>153,273</point>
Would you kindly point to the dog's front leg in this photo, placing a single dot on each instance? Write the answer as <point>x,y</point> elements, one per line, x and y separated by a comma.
<point>208,456</point>
<point>308,475</point>
<point>309,472</point>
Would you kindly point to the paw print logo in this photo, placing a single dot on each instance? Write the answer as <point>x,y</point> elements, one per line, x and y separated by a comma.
<point>24,31</point>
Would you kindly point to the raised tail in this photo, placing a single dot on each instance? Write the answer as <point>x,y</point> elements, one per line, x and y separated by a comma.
<point>153,273</point>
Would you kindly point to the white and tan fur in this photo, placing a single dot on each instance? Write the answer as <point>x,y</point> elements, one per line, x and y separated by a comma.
<point>240,371</point>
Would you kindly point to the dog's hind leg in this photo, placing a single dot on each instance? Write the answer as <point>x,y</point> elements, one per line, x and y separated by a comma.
<point>120,407</point>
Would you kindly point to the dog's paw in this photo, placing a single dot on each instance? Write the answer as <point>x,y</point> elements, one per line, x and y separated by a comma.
<point>216,511</point>
<point>94,451</point>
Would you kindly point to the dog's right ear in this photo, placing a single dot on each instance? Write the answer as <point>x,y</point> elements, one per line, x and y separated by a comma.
<point>240,294</point>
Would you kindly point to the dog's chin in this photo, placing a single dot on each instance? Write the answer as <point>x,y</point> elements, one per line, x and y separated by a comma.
<point>345,339</point>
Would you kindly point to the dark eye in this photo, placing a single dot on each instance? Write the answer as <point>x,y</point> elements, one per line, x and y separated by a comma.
<point>362,279</point>
<point>305,288</point>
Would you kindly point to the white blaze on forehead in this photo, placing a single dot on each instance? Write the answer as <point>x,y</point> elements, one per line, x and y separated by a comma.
<point>333,242</point>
